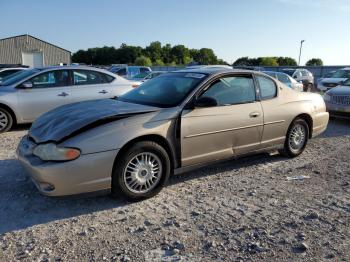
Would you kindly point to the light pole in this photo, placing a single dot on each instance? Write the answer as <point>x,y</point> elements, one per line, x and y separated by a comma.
<point>301,46</point>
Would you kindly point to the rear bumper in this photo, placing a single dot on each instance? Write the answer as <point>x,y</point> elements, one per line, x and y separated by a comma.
<point>320,123</point>
<point>88,173</point>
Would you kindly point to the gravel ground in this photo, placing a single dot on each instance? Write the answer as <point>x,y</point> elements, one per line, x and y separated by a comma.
<point>244,210</point>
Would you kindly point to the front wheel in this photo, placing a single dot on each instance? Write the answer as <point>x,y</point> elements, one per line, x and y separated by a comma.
<point>141,171</point>
<point>6,120</point>
<point>297,138</point>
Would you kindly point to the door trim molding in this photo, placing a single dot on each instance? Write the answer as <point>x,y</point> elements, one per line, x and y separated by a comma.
<point>223,130</point>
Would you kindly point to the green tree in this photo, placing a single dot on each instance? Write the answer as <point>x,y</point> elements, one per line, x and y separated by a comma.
<point>143,61</point>
<point>314,62</point>
<point>243,61</point>
<point>179,52</point>
<point>286,61</point>
<point>154,51</point>
<point>158,62</point>
<point>206,56</point>
<point>268,61</point>
<point>166,54</point>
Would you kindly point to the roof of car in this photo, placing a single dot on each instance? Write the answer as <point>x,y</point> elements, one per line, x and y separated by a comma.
<point>82,67</point>
<point>212,70</point>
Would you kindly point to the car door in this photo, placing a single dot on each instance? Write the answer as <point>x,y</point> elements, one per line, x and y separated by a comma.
<point>275,112</point>
<point>49,90</point>
<point>90,85</point>
<point>232,127</point>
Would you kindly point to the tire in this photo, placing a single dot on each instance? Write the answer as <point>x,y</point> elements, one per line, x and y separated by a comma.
<point>308,87</point>
<point>6,120</point>
<point>133,176</point>
<point>297,132</point>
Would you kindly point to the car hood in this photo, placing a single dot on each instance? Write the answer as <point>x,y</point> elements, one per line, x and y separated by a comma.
<point>339,90</point>
<point>66,121</point>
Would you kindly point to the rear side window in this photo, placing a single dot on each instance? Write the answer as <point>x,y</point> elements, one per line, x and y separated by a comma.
<point>108,78</point>
<point>268,87</point>
<point>86,77</point>
<point>55,78</point>
<point>232,90</point>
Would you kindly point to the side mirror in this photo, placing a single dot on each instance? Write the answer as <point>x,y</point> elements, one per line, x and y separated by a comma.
<point>205,101</point>
<point>26,85</point>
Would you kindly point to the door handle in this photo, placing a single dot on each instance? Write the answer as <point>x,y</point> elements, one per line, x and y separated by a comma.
<point>254,114</point>
<point>103,92</point>
<point>63,94</point>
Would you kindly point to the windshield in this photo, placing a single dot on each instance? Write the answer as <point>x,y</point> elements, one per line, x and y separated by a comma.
<point>167,90</point>
<point>13,79</point>
<point>340,74</point>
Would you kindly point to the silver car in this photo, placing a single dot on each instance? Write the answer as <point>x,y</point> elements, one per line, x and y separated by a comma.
<point>170,124</point>
<point>32,92</point>
<point>334,79</point>
<point>338,100</point>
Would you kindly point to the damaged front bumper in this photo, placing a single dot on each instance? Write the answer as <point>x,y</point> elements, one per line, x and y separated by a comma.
<point>88,173</point>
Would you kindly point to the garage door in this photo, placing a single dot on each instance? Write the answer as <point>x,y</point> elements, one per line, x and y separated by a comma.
<point>34,59</point>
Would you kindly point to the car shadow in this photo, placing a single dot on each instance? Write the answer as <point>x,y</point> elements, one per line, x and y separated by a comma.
<point>22,206</point>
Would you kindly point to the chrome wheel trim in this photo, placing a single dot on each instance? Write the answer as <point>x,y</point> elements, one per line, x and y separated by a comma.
<point>297,137</point>
<point>3,120</point>
<point>143,173</point>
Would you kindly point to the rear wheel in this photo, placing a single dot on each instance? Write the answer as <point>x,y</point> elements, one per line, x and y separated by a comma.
<point>141,171</point>
<point>297,138</point>
<point>6,120</point>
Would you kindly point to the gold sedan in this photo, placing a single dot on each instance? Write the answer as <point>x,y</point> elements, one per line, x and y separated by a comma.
<point>170,124</point>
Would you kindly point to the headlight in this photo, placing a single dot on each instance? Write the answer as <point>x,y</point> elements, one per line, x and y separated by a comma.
<point>326,97</point>
<point>50,152</point>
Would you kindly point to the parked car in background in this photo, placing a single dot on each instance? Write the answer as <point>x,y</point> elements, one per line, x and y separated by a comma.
<point>143,77</point>
<point>334,79</point>
<point>208,66</point>
<point>129,71</point>
<point>338,100</point>
<point>6,72</point>
<point>33,92</point>
<point>286,79</point>
<point>301,75</point>
<point>170,124</point>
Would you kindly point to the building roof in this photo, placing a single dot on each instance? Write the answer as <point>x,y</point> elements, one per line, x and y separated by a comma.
<point>36,39</point>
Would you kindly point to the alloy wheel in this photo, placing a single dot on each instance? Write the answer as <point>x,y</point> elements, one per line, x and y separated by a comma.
<point>297,137</point>
<point>143,172</point>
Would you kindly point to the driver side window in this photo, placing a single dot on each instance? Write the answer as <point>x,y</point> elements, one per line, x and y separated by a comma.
<point>232,90</point>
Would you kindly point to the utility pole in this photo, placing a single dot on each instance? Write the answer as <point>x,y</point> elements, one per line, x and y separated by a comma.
<point>301,46</point>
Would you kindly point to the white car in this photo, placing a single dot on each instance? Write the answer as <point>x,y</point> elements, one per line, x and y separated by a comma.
<point>286,79</point>
<point>7,72</point>
<point>29,94</point>
<point>301,75</point>
<point>334,79</point>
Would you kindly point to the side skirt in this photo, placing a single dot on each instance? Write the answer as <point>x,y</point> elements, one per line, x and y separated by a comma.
<point>185,169</point>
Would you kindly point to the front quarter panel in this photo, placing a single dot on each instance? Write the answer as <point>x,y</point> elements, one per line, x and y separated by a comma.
<point>116,134</point>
